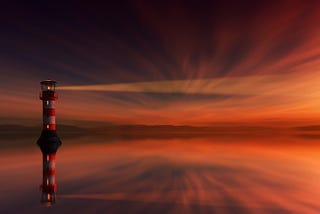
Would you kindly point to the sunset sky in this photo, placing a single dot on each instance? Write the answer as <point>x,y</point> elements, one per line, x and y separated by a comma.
<point>162,62</point>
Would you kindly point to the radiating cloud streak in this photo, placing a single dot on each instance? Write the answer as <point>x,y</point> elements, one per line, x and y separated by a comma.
<point>247,98</point>
<point>172,62</point>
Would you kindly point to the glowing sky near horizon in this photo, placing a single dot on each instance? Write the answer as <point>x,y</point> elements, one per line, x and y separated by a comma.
<point>168,62</point>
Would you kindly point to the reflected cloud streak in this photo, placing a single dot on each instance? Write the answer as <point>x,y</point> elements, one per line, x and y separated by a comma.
<point>224,175</point>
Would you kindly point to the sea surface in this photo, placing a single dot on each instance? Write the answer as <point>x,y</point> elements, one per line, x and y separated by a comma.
<point>223,174</point>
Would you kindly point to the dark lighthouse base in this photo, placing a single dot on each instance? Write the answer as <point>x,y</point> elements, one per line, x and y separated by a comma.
<point>49,142</point>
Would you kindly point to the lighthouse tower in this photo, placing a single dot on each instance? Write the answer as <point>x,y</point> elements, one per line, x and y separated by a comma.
<point>48,142</point>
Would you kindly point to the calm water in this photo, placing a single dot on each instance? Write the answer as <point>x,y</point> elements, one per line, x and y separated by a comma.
<point>189,175</point>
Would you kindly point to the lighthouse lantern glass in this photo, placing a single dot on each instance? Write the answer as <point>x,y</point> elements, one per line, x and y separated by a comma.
<point>48,86</point>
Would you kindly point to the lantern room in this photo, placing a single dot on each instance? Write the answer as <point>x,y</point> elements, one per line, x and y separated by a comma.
<point>48,85</point>
<point>48,88</point>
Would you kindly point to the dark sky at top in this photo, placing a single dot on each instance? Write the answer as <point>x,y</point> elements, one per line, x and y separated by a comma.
<point>88,42</point>
<point>153,39</point>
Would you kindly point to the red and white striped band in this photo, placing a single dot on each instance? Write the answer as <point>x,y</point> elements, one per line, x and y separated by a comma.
<point>49,173</point>
<point>49,115</point>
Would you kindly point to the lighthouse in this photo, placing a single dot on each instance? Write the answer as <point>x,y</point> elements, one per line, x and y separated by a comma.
<point>48,142</point>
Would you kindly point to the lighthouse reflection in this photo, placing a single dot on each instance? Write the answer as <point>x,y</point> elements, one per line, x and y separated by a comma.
<point>49,186</point>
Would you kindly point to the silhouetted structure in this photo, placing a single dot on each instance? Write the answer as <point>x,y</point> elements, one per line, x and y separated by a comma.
<point>48,142</point>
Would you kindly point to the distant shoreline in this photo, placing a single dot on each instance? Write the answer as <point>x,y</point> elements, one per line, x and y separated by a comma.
<point>154,130</point>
